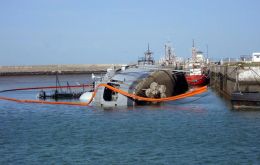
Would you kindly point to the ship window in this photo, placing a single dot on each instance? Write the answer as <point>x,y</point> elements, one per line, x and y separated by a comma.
<point>110,95</point>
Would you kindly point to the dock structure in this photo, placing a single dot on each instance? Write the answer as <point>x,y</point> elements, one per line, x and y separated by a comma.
<point>54,69</point>
<point>240,82</point>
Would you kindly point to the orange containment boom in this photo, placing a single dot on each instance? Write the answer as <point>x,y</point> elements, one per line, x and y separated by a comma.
<point>135,97</point>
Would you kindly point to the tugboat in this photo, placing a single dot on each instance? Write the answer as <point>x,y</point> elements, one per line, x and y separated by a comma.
<point>196,71</point>
<point>145,79</point>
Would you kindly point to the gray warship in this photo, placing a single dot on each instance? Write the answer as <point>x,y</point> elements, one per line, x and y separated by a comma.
<point>145,79</point>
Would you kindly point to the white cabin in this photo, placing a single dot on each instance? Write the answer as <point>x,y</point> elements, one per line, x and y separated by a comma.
<point>199,56</point>
<point>256,57</point>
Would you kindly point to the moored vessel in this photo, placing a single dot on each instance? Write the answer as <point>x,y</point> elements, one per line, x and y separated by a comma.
<point>196,70</point>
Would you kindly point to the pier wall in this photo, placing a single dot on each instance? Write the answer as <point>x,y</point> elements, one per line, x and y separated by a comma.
<point>229,79</point>
<point>53,69</point>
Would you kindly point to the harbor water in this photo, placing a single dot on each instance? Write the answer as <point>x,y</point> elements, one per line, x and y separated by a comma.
<point>198,130</point>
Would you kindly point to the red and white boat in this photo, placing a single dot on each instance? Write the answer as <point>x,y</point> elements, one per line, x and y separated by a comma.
<point>196,70</point>
<point>196,76</point>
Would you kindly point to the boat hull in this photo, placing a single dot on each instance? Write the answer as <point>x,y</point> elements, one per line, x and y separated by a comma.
<point>196,80</point>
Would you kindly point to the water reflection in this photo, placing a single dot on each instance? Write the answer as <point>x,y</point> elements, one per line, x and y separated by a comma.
<point>204,131</point>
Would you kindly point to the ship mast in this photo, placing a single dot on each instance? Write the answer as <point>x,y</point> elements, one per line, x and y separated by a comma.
<point>169,54</point>
<point>148,54</point>
<point>147,59</point>
<point>194,51</point>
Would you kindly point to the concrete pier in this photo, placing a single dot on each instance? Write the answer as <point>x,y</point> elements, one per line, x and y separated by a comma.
<point>53,69</point>
<point>240,82</point>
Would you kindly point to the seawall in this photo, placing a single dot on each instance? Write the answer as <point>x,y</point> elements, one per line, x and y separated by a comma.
<point>244,78</point>
<point>240,82</point>
<point>53,69</point>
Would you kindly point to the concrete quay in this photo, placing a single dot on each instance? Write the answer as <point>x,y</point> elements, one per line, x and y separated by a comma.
<point>240,82</point>
<point>53,69</point>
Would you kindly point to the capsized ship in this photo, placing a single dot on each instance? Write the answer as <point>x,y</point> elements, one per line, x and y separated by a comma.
<point>144,79</point>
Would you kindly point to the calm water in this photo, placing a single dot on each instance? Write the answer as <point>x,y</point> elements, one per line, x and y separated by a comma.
<point>197,130</point>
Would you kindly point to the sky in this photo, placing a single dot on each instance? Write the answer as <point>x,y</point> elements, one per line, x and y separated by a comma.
<point>40,32</point>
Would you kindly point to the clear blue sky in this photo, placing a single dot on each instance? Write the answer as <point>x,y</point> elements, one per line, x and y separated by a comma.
<point>34,32</point>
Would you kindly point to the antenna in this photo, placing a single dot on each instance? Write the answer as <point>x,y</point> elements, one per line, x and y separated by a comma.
<point>194,51</point>
<point>165,50</point>
<point>207,49</point>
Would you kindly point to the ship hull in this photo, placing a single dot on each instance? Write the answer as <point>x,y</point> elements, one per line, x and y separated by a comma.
<point>148,81</point>
<point>196,80</point>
